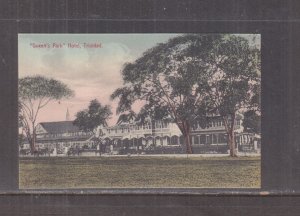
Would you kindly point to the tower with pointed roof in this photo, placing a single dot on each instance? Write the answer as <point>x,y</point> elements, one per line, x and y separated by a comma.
<point>67,115</point>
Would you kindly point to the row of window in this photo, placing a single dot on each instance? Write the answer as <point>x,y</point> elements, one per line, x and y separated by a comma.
<point>198,139</point>
<point>216,123</point>
<point>63,135</point>
<point>158,124</point>
<point>175,140</point>
<point>209,139</point>
<point>60,144</point>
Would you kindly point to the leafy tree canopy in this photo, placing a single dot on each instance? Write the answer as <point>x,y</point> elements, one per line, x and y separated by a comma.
<point>95,115</point>
<point>181,77</point>
<point>233,76</point>
<point>252,122</point>
<point>193,76</point>
<point>39,87</point>
<point>35,92</point>
<point>167,77</point>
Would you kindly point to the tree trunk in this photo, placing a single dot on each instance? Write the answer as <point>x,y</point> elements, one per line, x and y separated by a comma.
<point>100,149</point>
<point>229,126</point>
<point>98,145</point>
<point>231,144</point>
<point>153,131</point>
<point>187,139</point>
<point>33,149</point>
<point>189,149</point>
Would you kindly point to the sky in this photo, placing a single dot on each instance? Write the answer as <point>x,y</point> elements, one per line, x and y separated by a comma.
<point>92,72</point>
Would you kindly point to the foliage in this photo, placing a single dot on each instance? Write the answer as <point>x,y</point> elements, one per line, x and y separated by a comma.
<point>167,82</point>
<point>95,115</point>
<point>21,139</point>
<point>190,77</point>
<point>233,76</point>
<point>252,122</point>
<point>35,92</point>
<point>42,89</point>
<point>233,83</point>
<point>127,117</point>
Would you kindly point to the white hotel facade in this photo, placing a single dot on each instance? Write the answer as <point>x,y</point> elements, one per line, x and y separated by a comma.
<point>212,138</point>
<point>160,137</point>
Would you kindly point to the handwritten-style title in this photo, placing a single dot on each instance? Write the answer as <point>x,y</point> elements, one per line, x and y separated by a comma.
<point>57,45</point>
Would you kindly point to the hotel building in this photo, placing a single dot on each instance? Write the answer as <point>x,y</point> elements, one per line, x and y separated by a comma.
<point>156,138</point>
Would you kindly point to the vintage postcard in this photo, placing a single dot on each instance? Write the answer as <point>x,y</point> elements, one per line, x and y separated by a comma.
<point>139,111</point>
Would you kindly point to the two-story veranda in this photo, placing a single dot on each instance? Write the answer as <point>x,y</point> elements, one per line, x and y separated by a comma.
<point>135,136</point>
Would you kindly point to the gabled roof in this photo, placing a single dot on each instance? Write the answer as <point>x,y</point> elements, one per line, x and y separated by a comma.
<point>60,127</point>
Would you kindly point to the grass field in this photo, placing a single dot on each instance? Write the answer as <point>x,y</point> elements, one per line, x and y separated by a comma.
<point>145,172</point>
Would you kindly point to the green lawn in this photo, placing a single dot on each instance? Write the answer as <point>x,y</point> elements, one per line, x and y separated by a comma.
<point>108,172</point>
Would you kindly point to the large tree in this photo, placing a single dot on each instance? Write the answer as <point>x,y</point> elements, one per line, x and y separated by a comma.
<point>233,81</point>
<point>190,77</point>
<point>168,82</point>
<point>35,92</point>
<point>95,115</point>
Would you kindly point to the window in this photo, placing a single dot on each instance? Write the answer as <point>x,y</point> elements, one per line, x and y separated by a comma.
<point>208,139</point>
<point>174,140</point>
<point>222,138</point>
<point>202,139</point>
<point>215,138</point>
<point>196,140</point>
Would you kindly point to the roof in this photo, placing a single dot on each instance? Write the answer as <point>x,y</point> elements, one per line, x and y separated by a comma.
<point>60,127</point>
<point>63,139</point>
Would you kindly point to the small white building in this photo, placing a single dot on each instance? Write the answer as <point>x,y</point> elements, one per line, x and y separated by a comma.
<point>61,136</point>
